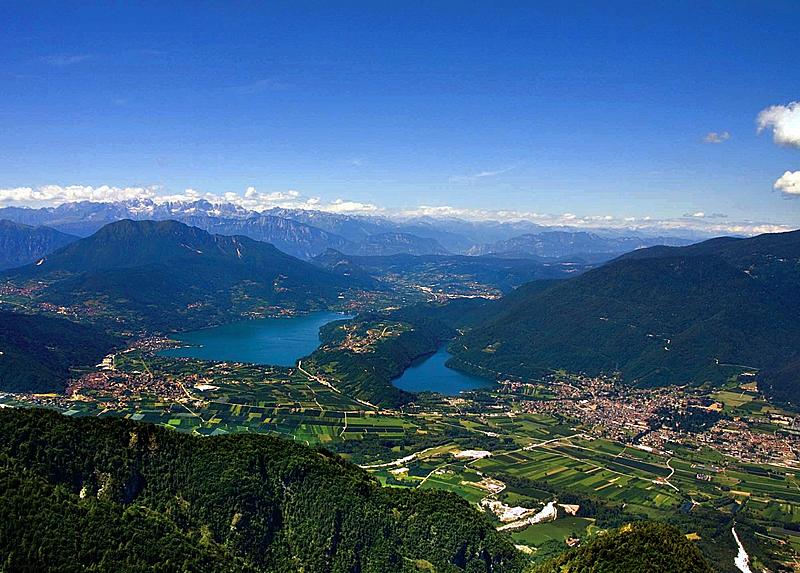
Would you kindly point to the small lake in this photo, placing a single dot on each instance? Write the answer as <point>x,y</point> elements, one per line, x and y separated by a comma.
<point>278,341</point>
<point>430,374</point>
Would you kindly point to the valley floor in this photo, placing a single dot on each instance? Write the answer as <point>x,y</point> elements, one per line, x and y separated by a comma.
<point>597,452</point>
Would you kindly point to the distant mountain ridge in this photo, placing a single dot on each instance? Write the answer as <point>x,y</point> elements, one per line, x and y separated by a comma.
<point>305,233</point>
<point>562,244</point>
<point>659,315</point>
<point>164,274</point>
<point>383,244</point>
<point>292,235</point>
<point>23,244</point>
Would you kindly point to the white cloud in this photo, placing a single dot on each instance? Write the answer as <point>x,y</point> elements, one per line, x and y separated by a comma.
<point>789,183</point>
<point>447,211</point>
<point>717,137</point>
<point>784,120</point>
<point>352,207</point>
<point>252,199</point>
<point>699,214</point>
<point>57,194</point>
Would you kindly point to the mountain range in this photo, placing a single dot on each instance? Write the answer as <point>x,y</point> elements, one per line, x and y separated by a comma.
<point>306,233</point>
<point>572,244</point>
<point>167,275</point>
<point>657,315</point>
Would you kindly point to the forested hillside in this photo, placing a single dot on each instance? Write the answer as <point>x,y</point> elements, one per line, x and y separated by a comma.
<point>166,275</point>
<point>38,353</point>
<point>114,495</point>
<point>575,244</point>
<point>661,315</point>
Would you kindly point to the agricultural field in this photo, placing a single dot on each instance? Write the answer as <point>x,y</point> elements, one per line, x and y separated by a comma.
<point>559,530</point>
<point>212,398</point>
<point>574,466</point>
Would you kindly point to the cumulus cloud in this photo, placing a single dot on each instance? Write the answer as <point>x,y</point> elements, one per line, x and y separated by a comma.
<point>56,194</point>
<point>784,120</point>
<point>352,207</point>
<point>789,183</point>
<point>717,137</point>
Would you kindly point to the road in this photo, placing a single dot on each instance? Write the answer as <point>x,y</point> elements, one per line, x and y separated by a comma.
<point>324,382</point>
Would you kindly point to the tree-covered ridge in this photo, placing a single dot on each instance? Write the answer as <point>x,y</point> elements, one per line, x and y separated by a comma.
<point>659,315</point>
<point>367,374</point>
<point>634,548</point>
<point>38,353</point>
<point>114,495</point>
<point>166,275</point>
<point>367,353</point>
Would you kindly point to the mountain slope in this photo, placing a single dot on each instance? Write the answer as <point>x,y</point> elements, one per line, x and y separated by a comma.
<point>168,275</point>
<point>23,244</point>
<point>660,315</point>
<point>439,271</point>
<point>383,244</point>
<point>37,353</point>
<point>292,237</point>
<point>305,233</point>
<point>110,495</point>
<point>564,244</point>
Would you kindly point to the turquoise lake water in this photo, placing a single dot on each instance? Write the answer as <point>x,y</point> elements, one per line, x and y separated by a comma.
<point>430,374</point>
<point>278,341</point>
<point>282,341</point>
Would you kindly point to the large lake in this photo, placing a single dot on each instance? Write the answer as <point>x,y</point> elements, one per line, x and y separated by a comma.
<point>430,374</point>
<point>278,341</point>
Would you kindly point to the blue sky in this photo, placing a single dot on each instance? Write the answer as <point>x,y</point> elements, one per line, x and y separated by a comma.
<point>594,109</point>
